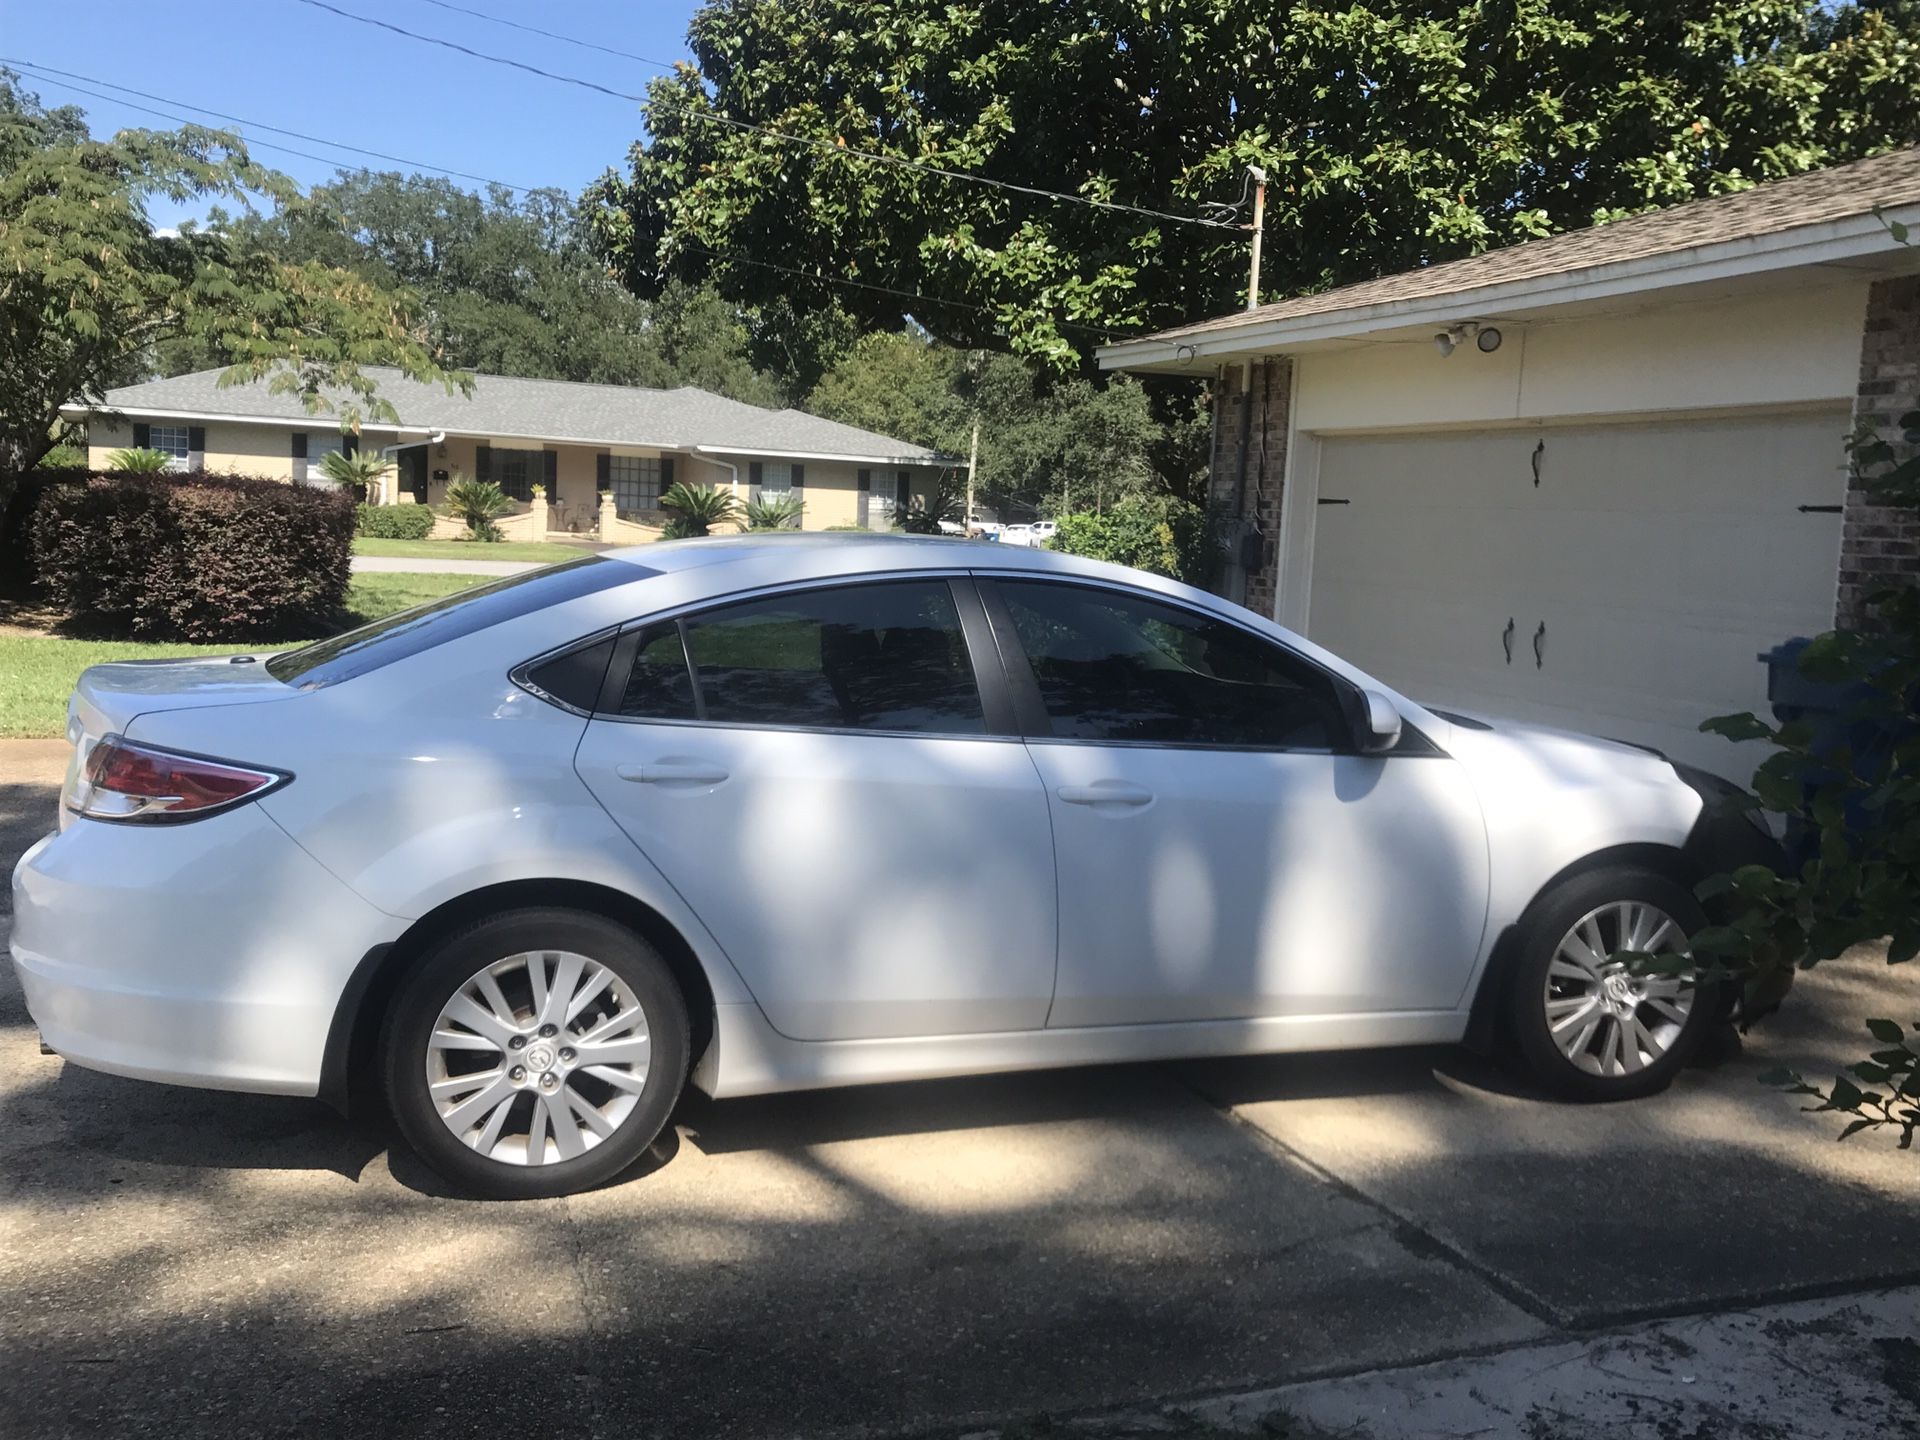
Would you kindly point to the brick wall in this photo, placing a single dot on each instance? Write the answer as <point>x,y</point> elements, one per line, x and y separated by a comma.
<point>1881,542</point>
<point>1266,464</point>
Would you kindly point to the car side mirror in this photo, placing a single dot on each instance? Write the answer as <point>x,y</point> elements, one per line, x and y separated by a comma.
<point>1380,723</point>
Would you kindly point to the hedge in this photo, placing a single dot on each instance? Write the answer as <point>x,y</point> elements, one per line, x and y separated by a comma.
<point>209,558</point>
<point>1166,536</point>
<point>19,498</point>
<point>395,522</point>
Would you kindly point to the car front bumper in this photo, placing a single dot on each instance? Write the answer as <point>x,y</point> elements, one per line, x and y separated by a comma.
<point>210,954</point>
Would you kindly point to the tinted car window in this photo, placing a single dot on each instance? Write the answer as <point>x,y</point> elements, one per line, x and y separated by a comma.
<point>660,687</point>
<point>1119,667</point>
<point>425,626</point>
<point>864,657</point>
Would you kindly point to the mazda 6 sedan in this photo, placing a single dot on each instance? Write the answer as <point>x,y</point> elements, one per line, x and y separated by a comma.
<point>773,813</point>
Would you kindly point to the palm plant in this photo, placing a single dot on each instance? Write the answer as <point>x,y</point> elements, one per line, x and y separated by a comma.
<point>775,512</point>
<point>479,503</point>
<point>946,501</point>
<point>358,474</point>
<point>696,509</point>
<point>140,461</point>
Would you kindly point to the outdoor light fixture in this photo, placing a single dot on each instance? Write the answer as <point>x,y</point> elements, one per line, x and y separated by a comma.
<point>1454,336</point>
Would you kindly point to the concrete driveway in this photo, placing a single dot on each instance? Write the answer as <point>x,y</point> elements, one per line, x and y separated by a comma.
<point>910,1258</point>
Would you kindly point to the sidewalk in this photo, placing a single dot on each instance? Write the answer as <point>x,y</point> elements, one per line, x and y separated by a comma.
<point>1832,1369</point>
<point>407,565</point>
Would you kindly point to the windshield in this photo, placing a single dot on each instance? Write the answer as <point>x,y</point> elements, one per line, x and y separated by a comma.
<point>328,662</point>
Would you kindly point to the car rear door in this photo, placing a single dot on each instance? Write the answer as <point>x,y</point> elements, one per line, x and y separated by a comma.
<point>818,773</point>
<point>1222,851</point>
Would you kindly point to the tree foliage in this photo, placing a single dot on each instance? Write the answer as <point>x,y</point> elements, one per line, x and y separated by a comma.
<point>1047,443</point>
<point>88,288</point>
<point>1163,535</point>
<point>1395,134</point>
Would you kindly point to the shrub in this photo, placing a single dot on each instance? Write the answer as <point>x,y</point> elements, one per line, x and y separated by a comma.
<point>1165,536</point>
<point>945,502</point>
<point>696,509</point>
<point>19,576</point>
<point>358,475</point>
<point>395,522</point>
<point>775,512</point>
<point>479,503</point>
<point>138,461</point>
<point>197,557</point>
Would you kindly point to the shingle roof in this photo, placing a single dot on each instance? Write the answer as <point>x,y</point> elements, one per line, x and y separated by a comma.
<point>558,410</point>
<point>1840,193</point>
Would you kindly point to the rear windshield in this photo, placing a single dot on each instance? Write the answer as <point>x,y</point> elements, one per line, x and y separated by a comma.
<point>371,647</point>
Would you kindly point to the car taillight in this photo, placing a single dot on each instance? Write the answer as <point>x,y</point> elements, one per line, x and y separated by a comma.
<point>122,780</point>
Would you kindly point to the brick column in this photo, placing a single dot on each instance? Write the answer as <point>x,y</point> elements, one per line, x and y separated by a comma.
<point>1879,543</point>
<point>1258,493</point>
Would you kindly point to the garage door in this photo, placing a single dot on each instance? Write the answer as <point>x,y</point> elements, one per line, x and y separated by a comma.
<point>1624,593</point>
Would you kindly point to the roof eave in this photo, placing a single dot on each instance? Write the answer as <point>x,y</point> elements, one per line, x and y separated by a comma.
<point>1832,242</point>
<point>763,453</point>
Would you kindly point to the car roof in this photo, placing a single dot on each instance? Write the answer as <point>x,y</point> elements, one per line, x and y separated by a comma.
<point>804,552</point>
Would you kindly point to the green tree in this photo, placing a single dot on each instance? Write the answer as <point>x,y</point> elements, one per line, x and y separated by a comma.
<point>1395,134</point>
<point>507,286</point>
<point>359,474</point>
<point>478,502</point>
<point>88,288</point>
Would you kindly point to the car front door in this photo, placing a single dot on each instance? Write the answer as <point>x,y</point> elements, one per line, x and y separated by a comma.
<point>817,773</point>
<point>1222,850</point>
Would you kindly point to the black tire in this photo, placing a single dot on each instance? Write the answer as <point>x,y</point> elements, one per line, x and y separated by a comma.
<point>456,961</point>
<point>1551,918</point>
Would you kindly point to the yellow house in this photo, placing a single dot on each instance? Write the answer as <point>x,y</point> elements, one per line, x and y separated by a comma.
<point>600,455</point>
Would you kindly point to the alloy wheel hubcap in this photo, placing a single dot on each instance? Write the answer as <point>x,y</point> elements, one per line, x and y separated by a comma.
<point>1607,1020</point>
<point>538,1057</point>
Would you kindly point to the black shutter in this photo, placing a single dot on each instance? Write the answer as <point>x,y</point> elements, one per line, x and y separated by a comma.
<point>141,435</point>
<point>553,473</point>
<point>349,444</point>
<point>863,501</point>
<point>196,447</point>
<point>666,471</point>
<point>863,479</point>
<point>799,476</point>
<point>753,473</point>
<point>483,462</point>
<point>299,440</point>
<point>902,489</point>
<point>602,473</point>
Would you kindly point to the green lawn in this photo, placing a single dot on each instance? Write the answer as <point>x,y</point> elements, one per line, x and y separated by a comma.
<point>37,672</point>
<point>468,549</point>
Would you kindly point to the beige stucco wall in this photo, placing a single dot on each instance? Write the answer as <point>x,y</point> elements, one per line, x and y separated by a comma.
<point>1782,347</point>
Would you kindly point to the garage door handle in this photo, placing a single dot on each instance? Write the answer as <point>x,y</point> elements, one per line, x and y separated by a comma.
<point>672,772</point>
<point>1105,792</point>
<point>1506,640</point>
<point>1822,509</point>
<point>1539,640</point>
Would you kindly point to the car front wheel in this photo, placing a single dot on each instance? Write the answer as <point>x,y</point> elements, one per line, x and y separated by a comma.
<point>1588,1026</point>
<point>536,1053</point>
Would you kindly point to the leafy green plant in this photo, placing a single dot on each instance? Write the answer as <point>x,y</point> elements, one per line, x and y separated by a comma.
<point>359,475</point>
<point>479,503</point>
<point>64,456</point>
<point>945,502</point>
<point>1851,795</point>
<point>775,512</point>
<point>696,509</point>
<point>1165,536</point>
<point>395,522</point>
<point>139,461</point>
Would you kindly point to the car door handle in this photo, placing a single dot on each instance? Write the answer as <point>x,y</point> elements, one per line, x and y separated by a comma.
<point>1105,792</point>
<point>672,772</point>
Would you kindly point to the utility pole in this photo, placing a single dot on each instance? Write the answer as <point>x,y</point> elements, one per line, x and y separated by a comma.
<point>1259,230</point>
<point>973,463</point>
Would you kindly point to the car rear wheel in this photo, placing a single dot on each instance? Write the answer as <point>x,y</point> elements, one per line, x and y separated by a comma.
<point>1587,1025</point>
<point>536,1053</point>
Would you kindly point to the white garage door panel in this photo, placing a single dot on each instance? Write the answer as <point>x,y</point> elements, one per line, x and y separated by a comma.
<point>1661,558</point>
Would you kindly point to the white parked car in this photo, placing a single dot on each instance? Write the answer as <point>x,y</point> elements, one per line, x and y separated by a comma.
<point>537,855</point>
<point>1017,535</point>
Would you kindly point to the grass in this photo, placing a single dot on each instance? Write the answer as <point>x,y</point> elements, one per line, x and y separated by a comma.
<point>468,549</point>
<point>37,672</point>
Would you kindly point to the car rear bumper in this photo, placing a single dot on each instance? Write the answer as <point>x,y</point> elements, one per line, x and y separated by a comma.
<point>210,954</point>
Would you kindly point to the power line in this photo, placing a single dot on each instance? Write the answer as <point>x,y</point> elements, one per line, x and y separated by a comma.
<point>554,35</point>
<point>835,146</point>
<point>43,72</point>
<point>914,295</point>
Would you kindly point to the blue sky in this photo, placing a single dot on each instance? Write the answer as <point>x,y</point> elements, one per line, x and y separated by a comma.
<point>287,63</point>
